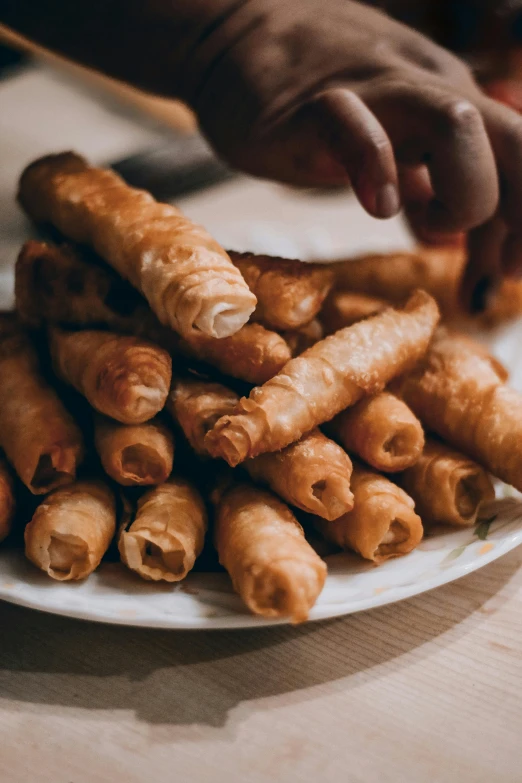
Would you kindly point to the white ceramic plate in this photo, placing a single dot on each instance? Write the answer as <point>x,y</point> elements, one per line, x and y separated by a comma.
<point>262,217</point>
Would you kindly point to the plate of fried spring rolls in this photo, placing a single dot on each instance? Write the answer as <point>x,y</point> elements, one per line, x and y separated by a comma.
<point>364,437</point>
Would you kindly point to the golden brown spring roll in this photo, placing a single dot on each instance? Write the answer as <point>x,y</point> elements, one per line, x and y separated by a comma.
<point>383,523</point>
<point>70,286</point>
<point>263,548</point>
<point>196,405</point>
<point>185,275</point>
<point>7,499</point>
<point>124,377</point>
<point>382,430</point>
<point>37,434</point>
<point>254,354</point>
<point>327,378</point>
<point>344,308</point>
<point>134,454</point>
<point>312,474</point>
<point>458,392</point>
<point>447,487</point>
<point>167,533</point>
<point>299,340</point>
<point>289,293</point>
<point>71,530</point>
<point>393,276</point>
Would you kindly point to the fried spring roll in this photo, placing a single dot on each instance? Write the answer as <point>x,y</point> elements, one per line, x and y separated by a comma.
<point>382,430</point>
<point>458,393</point>
<point>71,530</point>
<point>393,276</point>
<point>196,405</point>
<point>299,340</point>
<point>185,275</point>
<point>312,474</point>
<point>124,377</point>
<point>447,487</point>
<point>254,354</point>
<point>383,523</point>
<point>37,434</point>
<point>167,533</point>
<point>7,499</point>
<point>344,308</point>
<point>289,293</point>
<point>327,378</point>
<point>263,548</point>
<point>68,285</point>
<point>134,454</point>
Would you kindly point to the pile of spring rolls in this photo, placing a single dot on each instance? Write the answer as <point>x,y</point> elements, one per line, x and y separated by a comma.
<point>165,395</point>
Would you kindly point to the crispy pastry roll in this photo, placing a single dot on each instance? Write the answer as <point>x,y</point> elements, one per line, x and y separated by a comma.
<point>254,354</point>
<point>7,499</point>
<point>383,523</point>
<point>344,308</point>
<point>299,340</point>
<point>382,430</point>
<point>134,454</point>
<point>289,293</point>
<point>327,378</point>
<point>393,276</point>
<point>124,377</point>
<point>458,393</point>
<point>262,546</point>
<point>312,474</point>
<point>38,435</point>
<point>187,278</point>
<point>71,530</point>
<point>71,286</point>
<point>447,487</point>
<point>196,405</point>
<point>167,533</point>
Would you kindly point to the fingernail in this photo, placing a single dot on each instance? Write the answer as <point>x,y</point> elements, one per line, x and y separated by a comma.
<point>387,201</point>
<point>480,296</point>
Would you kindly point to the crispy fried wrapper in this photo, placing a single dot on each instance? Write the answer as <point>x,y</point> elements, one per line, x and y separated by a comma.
<point>382,430</point>
<point>167,533</point>
<point>383,523</point>
<point>299,340</point>
<point>38,435</point>
<point>71,530</point>
<point>124,377</point>
<point>186,276</point>
<point>7,499</point>
<point>458,392</point>
<point>393,276</point>
<point>344,308</point>
<point>447,487</point>
<point>134,454</point>
<point>71,286</point>
<point>289,292</point>
<point>263,548</point>
<point>312,474</point>
<point>437,270</point>
<point>196,405</point>
<point>327,378</point>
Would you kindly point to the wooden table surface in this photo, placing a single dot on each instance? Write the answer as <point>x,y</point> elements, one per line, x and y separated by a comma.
<point>427,691</point>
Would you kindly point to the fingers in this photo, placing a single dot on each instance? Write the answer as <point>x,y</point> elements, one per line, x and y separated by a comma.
<point>483,272</point>
<point>416,195</point>
<point>360,143</point>
<point>429,125</point>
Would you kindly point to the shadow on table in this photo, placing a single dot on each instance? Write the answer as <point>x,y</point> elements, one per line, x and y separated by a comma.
<point>195,677</point>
